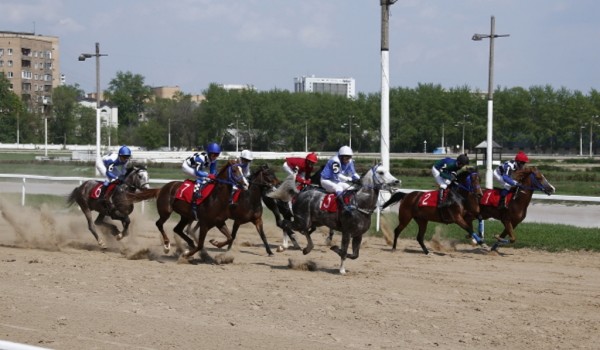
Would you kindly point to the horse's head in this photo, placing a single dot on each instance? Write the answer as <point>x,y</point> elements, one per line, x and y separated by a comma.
<point>468,179</point>
<point>232,173</point>
<point>379,177</point>
<point>531,178</point>
<point>137,178</point>
<point>265,177</point>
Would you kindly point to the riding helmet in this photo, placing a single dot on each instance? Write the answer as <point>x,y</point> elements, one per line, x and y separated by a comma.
<point>246,154</point>
<point>522,157</point>
<point>213,148</point>
<point>312,157</point>
<point>124,151</point>
<point>462,160</point>
<point>345,151</point>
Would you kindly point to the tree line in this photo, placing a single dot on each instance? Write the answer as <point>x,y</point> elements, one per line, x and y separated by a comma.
<point>539,119</point>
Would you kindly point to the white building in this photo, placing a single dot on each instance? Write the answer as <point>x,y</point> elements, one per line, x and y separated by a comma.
<point>336,86</point>
<point>109,116</point>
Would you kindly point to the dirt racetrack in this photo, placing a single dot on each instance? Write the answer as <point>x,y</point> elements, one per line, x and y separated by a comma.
<point>59,290</point>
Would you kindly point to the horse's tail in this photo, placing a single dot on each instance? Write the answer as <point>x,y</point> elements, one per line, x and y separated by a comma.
<point>396,197</point>
<point>143,195</point>
<point>72,197</point>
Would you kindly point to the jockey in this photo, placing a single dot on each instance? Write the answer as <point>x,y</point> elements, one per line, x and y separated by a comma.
<point>503,175</point>
<point>338,171</point>
<point>244,161</point>
<point>201,166</point>
<point>114,167</point>
<point>301,167</point>
<point>444,171</point>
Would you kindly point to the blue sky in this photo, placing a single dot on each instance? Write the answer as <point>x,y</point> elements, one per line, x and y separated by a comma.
<point>266,43</point>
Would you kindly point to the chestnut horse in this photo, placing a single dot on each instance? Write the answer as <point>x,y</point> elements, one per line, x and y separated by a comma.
<point>123,197</point>
<point>248,207</point>
<point>463,195</point>
<point>212,212</point>
<point>353,224</point>
<point>530,180</point>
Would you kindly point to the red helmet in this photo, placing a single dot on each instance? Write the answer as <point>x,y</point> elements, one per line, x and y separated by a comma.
<point>312,157</point>
<point>522,157</point>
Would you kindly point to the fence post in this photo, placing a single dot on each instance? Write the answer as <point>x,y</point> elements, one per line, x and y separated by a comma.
<point>23,192</point>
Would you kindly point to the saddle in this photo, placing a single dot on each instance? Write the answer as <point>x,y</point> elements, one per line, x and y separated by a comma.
<point>330,202</point>
<point>430,198</point>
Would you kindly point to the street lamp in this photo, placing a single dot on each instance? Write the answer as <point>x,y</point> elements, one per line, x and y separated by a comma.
<point>425,146</point>
<point>349,124</point>
<point>464,121</point>
<point>581,140</point>
<point>490,104</point>
<point>83,57</point>
<point>306,135</point>
<point>594,117</point>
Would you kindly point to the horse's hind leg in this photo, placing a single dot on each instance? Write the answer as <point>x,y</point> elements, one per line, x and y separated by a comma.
<point>401,226</point>
<point>92,227</point>
<point>160,225</point>
<point>259,227</point>
<point>126,222</point>
<point>178,229</point>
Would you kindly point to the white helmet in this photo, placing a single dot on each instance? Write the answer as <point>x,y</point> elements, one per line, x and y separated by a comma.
<point>345,151</point>
<point>246,154</point>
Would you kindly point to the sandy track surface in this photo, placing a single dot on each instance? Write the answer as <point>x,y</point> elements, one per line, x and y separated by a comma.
<point>59,290</point>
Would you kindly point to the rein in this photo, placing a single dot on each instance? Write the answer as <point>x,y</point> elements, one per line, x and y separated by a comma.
<point>469,187</point>
<point>231,179</point>
<point>535,184</point>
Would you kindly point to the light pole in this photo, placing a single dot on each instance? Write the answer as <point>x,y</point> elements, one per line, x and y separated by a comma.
<point>350,117</point>
<point>464,121</point>
<point>169,140</point>
<point>425,146</point>
<point>581,140</point>
<point>490,104</point>
<point>594,117</point>
<point>82,57</point>
<point>306,135</point>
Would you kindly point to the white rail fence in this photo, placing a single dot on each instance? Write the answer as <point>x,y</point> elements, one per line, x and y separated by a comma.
<point>39,185</point>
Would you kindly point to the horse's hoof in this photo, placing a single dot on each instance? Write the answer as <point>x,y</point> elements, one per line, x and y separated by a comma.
<point>119,236</point>
<point>305,251</point>
<point>167,248</point>
<point>342,271</point>
<point>280,249</point>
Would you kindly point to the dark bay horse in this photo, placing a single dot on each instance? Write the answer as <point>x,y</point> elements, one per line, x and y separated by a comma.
<point>464,196</point>
<point>212,212</point>
<point>249,207</point>
<point>353,224</point>
<point>123,198</point>
<point>530,179</point>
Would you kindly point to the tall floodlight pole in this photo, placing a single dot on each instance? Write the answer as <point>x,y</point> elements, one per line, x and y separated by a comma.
<point>82,57</point>
<point>385,82</point>
<point>490,104</point>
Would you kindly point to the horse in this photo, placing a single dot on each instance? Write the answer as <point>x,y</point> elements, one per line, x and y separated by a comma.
<point>248,207</point>
<point>281,209</point>
<point>123,197</point>
<point>463,194</point>
<point>211,212</point>
<point>352,223</point>
<point>530,180</point>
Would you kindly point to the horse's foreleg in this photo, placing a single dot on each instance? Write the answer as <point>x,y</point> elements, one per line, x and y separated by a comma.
<point>126,222</point>
<point>421,235</point>
<point>343,251</point>
<point>309,243</point>
<point>355,247</point>
<point>225,231</point>
<point>329,239</point>
<point>100,222</point>
<point>501,239</point>
<point>259,227</point>
<point>236,226</point>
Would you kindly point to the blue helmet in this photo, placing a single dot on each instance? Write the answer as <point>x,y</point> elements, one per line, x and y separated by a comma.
<point>213,148</point>
<point>124,151</point>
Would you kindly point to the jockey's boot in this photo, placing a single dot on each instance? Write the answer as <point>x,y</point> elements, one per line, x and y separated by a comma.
<point>106,202</point>
<point>442,202</point>
<point>348,208</point>
<point>502,201</point>
<point>195,196</point>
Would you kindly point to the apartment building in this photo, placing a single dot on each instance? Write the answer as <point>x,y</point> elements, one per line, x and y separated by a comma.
<point>335,86</point>
<point>31,64</point>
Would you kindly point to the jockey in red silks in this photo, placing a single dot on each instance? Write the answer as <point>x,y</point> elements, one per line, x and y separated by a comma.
<point>503,175</point>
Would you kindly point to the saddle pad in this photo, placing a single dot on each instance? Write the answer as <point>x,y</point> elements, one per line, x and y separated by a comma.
<point>330,204</point>
<point>429,199</point>
<point>186,191</point>
<point>492,197</point>
<point>236,196</point>
<point>95,192</point>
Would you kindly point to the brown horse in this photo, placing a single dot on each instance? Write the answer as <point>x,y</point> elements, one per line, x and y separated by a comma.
<point>530,180</point>
<point>463,195</point>
<point>249,205</point>
<point>210,213</point>
<point>123,198</point>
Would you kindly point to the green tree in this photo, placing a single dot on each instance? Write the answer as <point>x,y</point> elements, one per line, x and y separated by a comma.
<point>11,109</point>
<point>64,118</point>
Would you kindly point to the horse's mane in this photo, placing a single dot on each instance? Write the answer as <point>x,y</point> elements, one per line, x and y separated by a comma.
<point>227,164</point>
<point>523,173</point>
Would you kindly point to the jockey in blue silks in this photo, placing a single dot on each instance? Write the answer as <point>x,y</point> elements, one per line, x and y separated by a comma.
<point>201,166</point>
<point>338,172</point>
<point>114,167</point>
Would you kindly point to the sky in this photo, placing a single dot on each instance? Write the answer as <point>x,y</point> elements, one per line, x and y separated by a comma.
<point>266,43</point>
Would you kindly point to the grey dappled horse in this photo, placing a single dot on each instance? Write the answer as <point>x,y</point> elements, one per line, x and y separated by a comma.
<point>351,223</point>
